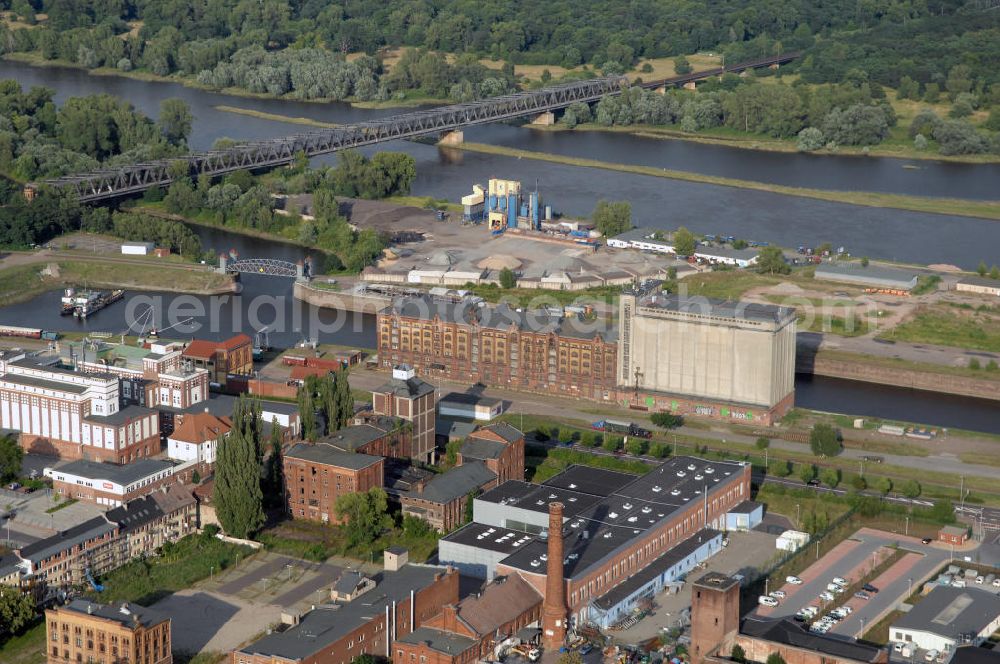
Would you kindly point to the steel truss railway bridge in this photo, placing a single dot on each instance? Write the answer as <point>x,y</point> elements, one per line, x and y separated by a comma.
<point>111,183</point>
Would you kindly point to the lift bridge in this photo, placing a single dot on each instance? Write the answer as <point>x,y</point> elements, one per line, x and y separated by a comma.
<point>233,264</point>
<point>110,183</point>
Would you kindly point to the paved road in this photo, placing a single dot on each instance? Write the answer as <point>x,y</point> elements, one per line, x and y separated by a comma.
<point>536,404</point>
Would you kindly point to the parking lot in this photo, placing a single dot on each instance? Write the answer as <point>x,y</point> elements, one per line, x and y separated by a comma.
<point>746,554</point>
<point>224,611</point>
<point>853,560</point>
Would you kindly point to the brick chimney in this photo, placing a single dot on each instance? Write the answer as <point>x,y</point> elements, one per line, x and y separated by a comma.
<point>554,610</point>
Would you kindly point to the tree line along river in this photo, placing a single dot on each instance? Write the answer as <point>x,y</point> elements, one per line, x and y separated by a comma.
<point>656,202</point>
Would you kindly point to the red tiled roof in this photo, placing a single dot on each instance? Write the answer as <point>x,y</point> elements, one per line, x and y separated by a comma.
<point>200,348</point>
<point>498,604</point>
<point>203,348</point>
<point>233,343</point>
<point>197,428</point>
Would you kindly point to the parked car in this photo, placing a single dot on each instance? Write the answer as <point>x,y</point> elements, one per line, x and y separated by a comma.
<point>14,486</point>
<point>767,600</point>
<point>980,579</point>
<point>794,580</point>
<point>778,594</point>
<point>834,588</point>
<point>897,646</point>
<point>839,581</point>
<point>534,655</point>
<point>927,540</point>
<point>996,583</point>
<point>826,596</point>
<point>586,648</point>
<point>869,588</point>
<point>813,482</point>
<point>862,595</point>
<point>931,655</point>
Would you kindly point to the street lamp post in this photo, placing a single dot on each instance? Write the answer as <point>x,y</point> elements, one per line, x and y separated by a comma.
<point>798,516</point>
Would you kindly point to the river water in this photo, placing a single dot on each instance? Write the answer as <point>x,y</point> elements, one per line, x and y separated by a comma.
<point>656,202</point>
<point>267,302</point>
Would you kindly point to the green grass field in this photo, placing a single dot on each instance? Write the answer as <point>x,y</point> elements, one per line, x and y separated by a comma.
<point>951,326</point>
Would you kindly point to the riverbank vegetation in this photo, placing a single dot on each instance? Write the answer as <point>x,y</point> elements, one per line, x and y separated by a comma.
<point>20,283</point>
<point>383,51</point>
<point>245,202</point>
<point>41,140</point>
<point>965,208</point>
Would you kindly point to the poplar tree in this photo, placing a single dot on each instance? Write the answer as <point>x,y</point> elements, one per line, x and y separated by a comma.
<point>275,476</point>
<point>238,497</point>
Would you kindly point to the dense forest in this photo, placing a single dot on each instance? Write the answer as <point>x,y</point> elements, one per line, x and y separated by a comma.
<point>300,47</point>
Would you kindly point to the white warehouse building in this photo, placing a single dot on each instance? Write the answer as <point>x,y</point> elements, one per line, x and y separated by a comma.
<point>948,618</point>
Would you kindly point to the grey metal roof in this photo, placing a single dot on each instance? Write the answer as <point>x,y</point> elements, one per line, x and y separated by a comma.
<point>455,483</point>
<point>448,643</point>
<point>326,453</point>
<point>348,582</point>
<point>749,311</point>
<point>950,612</point>
<point>595,481</point>
<point>78,534</point>
<point>621,591</point>
<point>410,388</point>
<point>481,536</point>
<point>123,415</point>
<point>479,448</point>
<point>444,426</point>
<point>790,633</point>
<point>127,613</point>
<point>506,431</point>
<point>328,623</point>
<point>349,439</point>
<point>609,523</point>
<point>501,317</point>
<point>41,383</point>
<point>974,655</point>
<point>644,234</point>
<point>979,281</point>
<point>467,399</point>
<point>136,513</point>
<point>746,507</point>
<point>726,252</point>
<point>113,472</point>
<point>855,272</point>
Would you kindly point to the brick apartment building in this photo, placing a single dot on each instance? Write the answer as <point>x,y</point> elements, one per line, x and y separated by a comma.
<point>500,446</point>
<point>73,415</point>
<point>316,474</point>
<point>476,627</point>
<point>222,358</point>
<point>378,435</point>
<point>84,631</point>
<point>441,501</point>
<point>112,484</point>
<point>532,351</point>
<point>107,542</point>
<point>405,596</point>
<point>407,397</point>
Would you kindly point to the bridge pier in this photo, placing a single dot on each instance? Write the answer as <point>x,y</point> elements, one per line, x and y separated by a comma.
<point>223,263</point>
<point>546,119</point>
<point>690,85</point>
<point>774,66</point>
<point>454,137</point>
<point>662,90</point>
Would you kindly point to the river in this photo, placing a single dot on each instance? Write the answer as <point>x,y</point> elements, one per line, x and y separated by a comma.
<point>656,202</point>
<point>267,301</point>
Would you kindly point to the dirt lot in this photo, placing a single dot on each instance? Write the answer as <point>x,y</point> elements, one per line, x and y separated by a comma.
<point>454,244</point>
